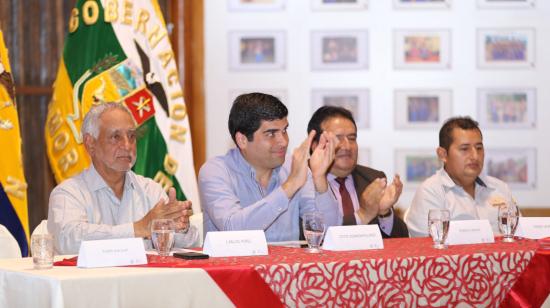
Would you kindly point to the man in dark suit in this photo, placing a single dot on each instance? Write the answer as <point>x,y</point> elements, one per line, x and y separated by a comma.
<point>363,194</point>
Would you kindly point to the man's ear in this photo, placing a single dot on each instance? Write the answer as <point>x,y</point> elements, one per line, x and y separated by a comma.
<point>89,144</point>
<point>442,154</point>
<point>241,139</point>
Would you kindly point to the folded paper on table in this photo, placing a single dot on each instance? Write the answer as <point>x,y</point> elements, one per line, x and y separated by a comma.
<point>470,232</point>
<point>235,243</point>
<point>360,237</point>
<point>115,252</point>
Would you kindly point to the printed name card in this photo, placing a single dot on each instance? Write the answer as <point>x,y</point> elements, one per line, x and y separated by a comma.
<point>470,232</point>
<point>116,252</point>
<point>533,227</point>
<point>235,243</point>
<point>359,237</point>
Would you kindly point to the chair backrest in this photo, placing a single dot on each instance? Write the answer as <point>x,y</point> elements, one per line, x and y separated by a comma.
<point>42,228</point>
<point>9,248</point>
<point>196,220</point>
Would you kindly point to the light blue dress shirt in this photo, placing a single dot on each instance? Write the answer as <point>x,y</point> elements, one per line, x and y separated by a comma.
<point>84,207</point>
<point>232,199</point>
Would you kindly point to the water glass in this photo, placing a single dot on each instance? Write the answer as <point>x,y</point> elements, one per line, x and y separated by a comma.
<point>508,216</point>
<point>162,235</point>
<point>42,251</point>
<point>314,230</point>
<point>438,227</point>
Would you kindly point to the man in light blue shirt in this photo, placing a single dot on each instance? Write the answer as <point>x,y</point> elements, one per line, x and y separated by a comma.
<point>253,188</point>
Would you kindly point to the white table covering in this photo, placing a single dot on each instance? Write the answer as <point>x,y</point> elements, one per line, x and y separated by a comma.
<point>22,286</point>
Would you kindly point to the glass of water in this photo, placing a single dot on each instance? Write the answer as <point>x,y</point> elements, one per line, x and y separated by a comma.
<point>508,216</point>
<point>438,226</point>
<point>42,250</point>
<point>314,230</point>
<point>162,235</point>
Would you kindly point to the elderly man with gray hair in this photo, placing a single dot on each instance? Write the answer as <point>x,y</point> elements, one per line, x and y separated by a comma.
<point>108,200</point>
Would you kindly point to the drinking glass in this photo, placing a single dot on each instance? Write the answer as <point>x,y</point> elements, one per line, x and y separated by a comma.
<point>162,235</point>
<point>508,216</point>
<point>314,230</point>
<point>42,251</point>
<point>438,226</point>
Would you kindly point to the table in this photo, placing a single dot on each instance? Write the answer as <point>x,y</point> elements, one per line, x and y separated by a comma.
<point>407,272</point>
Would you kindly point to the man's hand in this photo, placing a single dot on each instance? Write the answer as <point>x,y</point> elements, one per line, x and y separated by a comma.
<point>391,195</point>
<point>369,202</point>
<point>179,211</point>
<point>322,159</point>
<point>298,171</point>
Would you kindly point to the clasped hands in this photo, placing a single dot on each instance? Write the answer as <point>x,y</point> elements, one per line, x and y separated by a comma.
<point>179,211</point>
<point>378,198</point>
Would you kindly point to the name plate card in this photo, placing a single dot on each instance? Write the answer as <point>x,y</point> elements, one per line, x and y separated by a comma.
<point>235,243</point>
<point>359,237</point>
<point>533,227</point>
<point>115,252</point>
<point>470,232</point>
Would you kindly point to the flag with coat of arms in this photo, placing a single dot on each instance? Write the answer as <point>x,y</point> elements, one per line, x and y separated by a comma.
<point>13,186</point>
<point>120,51</point>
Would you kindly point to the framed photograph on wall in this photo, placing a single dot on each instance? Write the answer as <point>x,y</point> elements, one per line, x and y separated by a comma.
<point>324,5</point>
<point>364,156</point>
<point>422,108</point>
<point>256,5</point>
<point>505,4</point>
<point>422,49</point>
<point>257,50</point>
<point>416,165</point>
<point>339,50</point>
<point>425,4</point>
<point>514,166</point>
<point>506,48</point>
<point>355,100</point>
<point>506,108</point>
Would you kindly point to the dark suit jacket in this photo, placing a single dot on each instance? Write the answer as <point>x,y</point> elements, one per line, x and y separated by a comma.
<point>362,177</point>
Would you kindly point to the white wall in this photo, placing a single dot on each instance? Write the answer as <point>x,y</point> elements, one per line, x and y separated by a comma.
<point>296,80</point>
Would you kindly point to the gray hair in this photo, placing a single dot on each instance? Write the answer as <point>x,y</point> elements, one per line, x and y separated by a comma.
<point>90,125</point>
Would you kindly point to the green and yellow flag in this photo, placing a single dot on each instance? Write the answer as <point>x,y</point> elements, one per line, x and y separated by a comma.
<point>13,187</point>
<point>120,51</point>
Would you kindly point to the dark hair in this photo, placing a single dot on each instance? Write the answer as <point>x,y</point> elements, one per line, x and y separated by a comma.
<point>445,133</point>
<point>324,113</point>
<point>249,110</point>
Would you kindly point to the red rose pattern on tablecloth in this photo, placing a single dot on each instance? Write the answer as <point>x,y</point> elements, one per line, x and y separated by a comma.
<point>433,281</point>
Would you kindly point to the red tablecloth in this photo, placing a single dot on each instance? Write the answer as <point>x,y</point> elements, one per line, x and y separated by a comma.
<point>406,271</point>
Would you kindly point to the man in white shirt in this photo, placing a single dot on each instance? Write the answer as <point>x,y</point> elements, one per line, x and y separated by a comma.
<point>459,186</point>
<point>108,200</point>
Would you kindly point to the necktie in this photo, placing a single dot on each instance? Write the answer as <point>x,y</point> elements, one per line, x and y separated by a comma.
<point>347,205</point>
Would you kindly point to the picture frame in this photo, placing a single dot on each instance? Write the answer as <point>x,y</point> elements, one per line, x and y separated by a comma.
<point>515,166</point>
<point>422,49</point>
<point>257,50</point>
<point>416,165</point>
<point>506,48</point>
<point>507,108</point>
<point>422,108</point>
<point>281,94</point>
<point>426,4</point>
<point>332,5</point>
<point>506,4</point>
<point>340,50</point>
<point>364,156</point>
<point>355,100</point>
<point>256,5</point>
